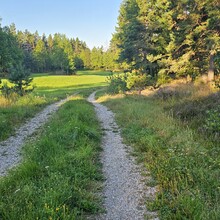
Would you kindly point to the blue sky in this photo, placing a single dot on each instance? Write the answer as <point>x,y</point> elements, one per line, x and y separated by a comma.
<point>92,21</point>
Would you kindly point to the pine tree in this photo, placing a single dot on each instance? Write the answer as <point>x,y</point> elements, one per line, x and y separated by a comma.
<point>169,38</point>
<point>130,36</point>
<point>21,79</point>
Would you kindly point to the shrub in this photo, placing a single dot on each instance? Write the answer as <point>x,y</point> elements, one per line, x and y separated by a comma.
<point>21,79</point>
<point>137,81</point>
<point>163,79</point>
<point>117,83</point>
<point>121,83</point>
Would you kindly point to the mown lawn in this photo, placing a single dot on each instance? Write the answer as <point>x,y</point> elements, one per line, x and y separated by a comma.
<point>60,175</point>
<point>49,88</point>
<point>185,166</point>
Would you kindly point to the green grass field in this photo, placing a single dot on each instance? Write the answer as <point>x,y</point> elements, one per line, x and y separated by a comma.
<point>61,85</point>
<point>49,88</point>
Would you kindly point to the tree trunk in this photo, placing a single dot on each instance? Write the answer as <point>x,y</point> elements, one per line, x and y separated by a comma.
<point>211,67</point>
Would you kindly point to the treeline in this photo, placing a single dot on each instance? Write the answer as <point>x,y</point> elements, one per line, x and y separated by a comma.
<point>169,39</point>
<point>56,53</point>
<point>163,39</point>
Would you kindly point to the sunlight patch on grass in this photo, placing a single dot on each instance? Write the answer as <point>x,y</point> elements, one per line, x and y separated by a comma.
<point>63,81</point>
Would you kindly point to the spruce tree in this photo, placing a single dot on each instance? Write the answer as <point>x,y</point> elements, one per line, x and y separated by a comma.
<point>20,77</point>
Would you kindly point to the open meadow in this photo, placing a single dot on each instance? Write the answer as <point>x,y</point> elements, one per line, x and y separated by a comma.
<point>49,88</point>
<point>63,85</point>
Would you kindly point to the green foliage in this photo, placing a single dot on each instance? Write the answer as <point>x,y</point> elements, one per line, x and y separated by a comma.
<point>85,56</point>
<point>97,58</point>
<point>56,53</point>
<point>21,79</point>
<point>60,177</point>
<point>6,90</point>
<point>117,83</point>
<point>120,83</point>
<point>40,55</point>
<point>163,79</point>
<point>168,37</point>
<point>137,81</point>
<point>59,60</point>
<point>213,121</point>
<point>129,37</point>
<point>78,63</point>
<point>10,53</point>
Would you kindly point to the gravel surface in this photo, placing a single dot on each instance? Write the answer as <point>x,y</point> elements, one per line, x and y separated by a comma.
<point>125,190</point>
<point>10,149</point>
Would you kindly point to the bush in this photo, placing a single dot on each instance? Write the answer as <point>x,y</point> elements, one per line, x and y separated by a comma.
<point>21,79</point>
<point>117,83</point>
<point>137,81</point>
<point>163,79</point>
<point>121,83</point>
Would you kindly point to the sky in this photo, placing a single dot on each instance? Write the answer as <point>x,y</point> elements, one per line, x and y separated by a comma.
<point>92,21</point>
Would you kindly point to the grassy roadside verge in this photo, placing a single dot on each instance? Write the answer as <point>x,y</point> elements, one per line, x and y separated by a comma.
<point>13,114</point>
<point>60,176</point>
<point>184,166</point>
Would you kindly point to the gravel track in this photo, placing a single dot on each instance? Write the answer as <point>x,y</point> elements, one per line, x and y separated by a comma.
<point>10,149</point>
<point>125,190</point>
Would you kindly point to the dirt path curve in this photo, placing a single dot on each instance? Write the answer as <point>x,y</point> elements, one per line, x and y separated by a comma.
<point>10,149</point>
<point>124,189</point>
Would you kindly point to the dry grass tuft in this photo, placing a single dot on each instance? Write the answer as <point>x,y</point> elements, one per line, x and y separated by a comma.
<point>5,102</point>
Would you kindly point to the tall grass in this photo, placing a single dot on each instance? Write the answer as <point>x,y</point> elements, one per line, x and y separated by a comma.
<point>193,105</point>
<point>185,167</point>
<point>15,112</point>
<point>60,175</point>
